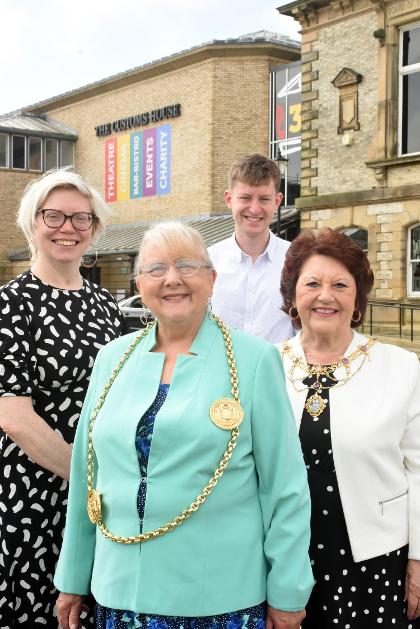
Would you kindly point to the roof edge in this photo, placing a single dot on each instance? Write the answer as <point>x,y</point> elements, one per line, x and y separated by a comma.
<point>290,8</point>
<point>281,49</point>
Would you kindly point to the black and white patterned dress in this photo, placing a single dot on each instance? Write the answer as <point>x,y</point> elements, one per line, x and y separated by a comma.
<point>346,595</point>
<point>49,339</point>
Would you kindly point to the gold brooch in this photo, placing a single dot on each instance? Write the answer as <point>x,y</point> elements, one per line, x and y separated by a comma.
<point>315,405</point>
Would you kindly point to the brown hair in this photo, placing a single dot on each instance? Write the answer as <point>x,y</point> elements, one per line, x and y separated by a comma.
<point>327,242</point>
<point>254,169</point>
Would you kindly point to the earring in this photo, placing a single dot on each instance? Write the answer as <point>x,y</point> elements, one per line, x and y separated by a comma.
<point>144,320</point>
<point>359,316</point>
<point>293,316</point>
<point>209,306</point>
<point>90,266</point>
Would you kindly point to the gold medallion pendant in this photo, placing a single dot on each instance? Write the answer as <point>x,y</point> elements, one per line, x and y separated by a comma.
<point>226,413</point>
<point>315,406</point>
<point>94,506</point>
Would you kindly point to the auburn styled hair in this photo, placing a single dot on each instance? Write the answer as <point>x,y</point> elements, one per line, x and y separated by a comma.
<point>331,243</point>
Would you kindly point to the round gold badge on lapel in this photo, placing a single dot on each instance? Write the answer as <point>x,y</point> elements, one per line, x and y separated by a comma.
<point>226,413</point>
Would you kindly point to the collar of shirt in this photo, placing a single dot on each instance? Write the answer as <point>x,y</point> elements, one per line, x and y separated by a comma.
<point>239,255</point>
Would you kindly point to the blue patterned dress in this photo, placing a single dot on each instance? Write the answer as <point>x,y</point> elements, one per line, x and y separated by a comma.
<point>106,618</point>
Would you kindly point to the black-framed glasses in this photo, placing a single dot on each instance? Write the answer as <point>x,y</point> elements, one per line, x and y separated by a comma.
<point>56,218</point>
<point>186,267</point>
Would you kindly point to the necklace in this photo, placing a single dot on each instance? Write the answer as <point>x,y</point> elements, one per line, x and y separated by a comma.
<point>315,404</point>
<point>226,413</point>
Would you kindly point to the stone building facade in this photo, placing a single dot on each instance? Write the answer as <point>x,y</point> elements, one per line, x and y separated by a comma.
<point>217,108</point>
<point>361,131</point>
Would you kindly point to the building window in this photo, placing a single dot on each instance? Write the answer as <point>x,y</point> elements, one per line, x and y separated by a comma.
<point>413,262</point>
<point>35,154</point>
<point>66,158</point>
<point>409,90</point>
<point>51,154</point>
<point>359,235</point>
<point>4,150</point>
<point>285,99</point>
<point>19,152</point>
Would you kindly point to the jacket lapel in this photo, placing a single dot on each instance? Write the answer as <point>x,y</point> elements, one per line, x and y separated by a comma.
<point>189,372</point>
<point>135,387</point>
<point>296,395</point>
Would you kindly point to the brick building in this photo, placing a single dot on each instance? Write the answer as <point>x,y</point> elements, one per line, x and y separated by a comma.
<point>156,141</point>
<point>361,131</point>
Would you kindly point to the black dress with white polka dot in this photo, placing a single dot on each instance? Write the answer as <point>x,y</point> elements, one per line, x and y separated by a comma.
<point>346,594</point>
<point>49,339</point>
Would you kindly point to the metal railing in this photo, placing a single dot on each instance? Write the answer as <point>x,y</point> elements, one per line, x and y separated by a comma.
<point>404,322</point>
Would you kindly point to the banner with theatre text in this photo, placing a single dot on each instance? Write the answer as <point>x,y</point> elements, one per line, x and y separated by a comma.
<point>138,164</point>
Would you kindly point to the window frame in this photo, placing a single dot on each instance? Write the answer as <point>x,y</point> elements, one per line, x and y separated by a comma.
<point>39,139</point>
<point>61,154</point>
<point>410,292</point>
<point>43,139</point>
<point>57,154</point>
<point>354,229</point>
<point>7,136</point>
<point>25,152</point>
<point>288,143</point>
<point>403,71</point>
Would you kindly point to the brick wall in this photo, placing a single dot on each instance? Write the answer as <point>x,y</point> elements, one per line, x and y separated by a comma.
<point>347,44</point>
<point>12,185</point>
<point>240,122</point>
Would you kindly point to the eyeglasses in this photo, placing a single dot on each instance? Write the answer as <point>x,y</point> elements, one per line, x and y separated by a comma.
<point>185,267</point>
<point>56,218</point>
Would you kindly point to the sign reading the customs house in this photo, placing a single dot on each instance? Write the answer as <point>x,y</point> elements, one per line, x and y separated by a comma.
<point>138,164</point>
<point>139,120</point>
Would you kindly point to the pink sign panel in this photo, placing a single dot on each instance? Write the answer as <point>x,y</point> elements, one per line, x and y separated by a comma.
<point>149,162</point>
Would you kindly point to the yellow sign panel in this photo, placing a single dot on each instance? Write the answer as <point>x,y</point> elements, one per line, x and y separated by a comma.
<point>123,168</point>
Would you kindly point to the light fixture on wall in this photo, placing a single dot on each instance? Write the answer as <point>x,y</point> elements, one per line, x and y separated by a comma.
<point>379,34</point>
<point>282,165</point>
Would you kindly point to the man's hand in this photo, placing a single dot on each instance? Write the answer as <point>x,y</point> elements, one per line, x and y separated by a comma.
<point>412,589</point>
<point>69,607</point>
<point>277,619</point>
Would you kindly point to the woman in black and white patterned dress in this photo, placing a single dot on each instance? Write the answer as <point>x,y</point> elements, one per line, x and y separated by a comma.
<point>52,324</point>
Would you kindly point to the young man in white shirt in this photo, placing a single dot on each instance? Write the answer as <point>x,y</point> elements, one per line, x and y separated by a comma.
<point>246,293</point>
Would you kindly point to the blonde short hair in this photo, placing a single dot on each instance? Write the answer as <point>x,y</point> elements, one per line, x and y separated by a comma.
<point>38,190</point>
<point>176,238</point>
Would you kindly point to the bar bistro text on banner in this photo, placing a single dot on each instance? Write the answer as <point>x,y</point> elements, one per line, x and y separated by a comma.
<point>138,164</point>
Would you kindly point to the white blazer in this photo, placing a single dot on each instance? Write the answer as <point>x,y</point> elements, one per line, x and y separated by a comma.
<point>375,434</point>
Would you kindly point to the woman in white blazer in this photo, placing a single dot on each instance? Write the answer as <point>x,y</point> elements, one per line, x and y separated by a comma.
<point>357,406</point>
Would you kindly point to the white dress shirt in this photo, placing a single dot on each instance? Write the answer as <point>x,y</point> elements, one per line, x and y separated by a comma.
<point>246,295</point>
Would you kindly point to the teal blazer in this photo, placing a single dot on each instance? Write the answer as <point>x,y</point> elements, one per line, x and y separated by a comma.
<point>247,543</point>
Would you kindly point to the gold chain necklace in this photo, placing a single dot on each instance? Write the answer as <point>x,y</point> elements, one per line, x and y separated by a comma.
<point>226,413</point>
<point>315,404</point>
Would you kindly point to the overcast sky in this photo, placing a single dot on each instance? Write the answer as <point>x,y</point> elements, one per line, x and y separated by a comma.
<point>48,47</point>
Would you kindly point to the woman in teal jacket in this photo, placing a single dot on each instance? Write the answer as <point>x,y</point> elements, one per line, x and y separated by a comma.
<point>186,413</point>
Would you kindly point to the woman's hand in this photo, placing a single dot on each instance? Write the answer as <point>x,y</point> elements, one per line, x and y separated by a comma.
<point>412,589</point>
<point>276,619</point>
<point>69,607</point>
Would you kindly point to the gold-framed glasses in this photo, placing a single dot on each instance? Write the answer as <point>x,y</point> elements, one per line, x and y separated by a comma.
<point>56,218</point>
<point>185,267</point>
